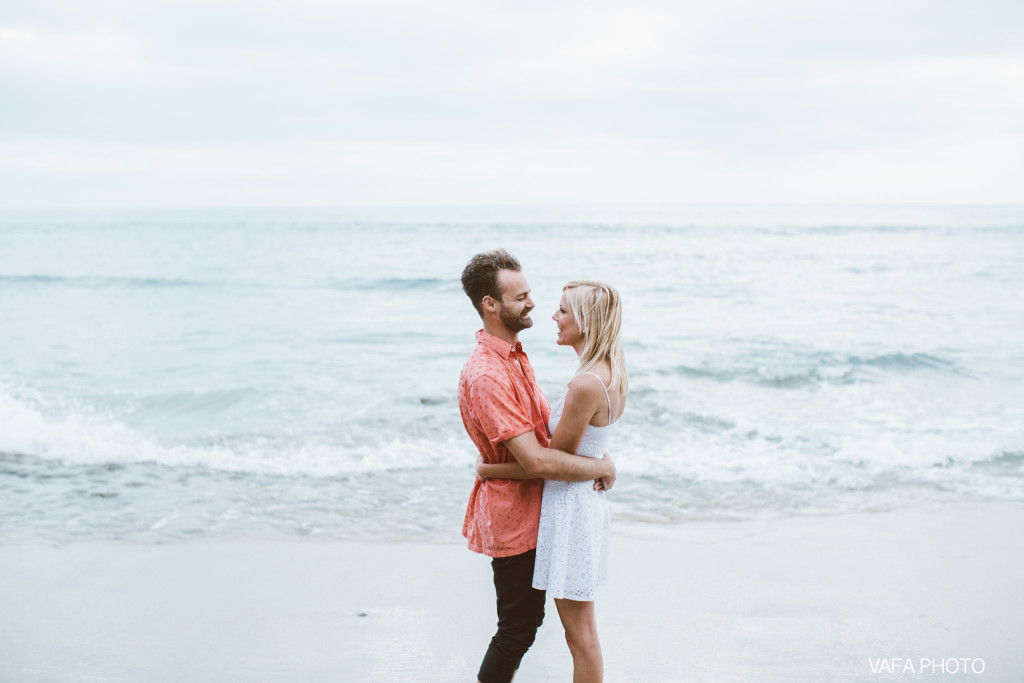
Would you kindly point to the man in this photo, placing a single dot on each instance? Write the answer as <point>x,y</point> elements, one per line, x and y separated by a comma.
<point>506,415</point>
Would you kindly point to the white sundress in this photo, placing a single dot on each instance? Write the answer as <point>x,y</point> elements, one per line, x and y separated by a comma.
<point>572,541</point>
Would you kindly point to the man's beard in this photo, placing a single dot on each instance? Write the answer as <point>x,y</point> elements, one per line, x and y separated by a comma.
<point>514,323</point>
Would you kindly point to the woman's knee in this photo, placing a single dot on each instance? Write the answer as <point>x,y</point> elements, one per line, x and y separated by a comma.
<point>581,640</point>
<point>580,627</point>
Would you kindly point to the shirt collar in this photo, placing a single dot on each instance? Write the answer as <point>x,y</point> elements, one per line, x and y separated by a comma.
<point>500,346</point>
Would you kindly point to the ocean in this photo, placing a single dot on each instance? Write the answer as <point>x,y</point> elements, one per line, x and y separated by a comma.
<point>168,375</point>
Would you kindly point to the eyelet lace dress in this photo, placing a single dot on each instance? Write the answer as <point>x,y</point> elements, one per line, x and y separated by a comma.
<point>572,541</point>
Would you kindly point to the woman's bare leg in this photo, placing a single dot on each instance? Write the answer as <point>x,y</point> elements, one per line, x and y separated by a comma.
<point>580,623</point>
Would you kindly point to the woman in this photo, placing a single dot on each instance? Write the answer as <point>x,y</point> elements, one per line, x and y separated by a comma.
<point>572,541</point>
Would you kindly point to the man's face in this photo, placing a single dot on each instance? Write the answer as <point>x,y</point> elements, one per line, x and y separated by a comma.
<point>516,304</point>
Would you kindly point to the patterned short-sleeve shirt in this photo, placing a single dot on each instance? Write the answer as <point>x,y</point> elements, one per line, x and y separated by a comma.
<point>499,399</point>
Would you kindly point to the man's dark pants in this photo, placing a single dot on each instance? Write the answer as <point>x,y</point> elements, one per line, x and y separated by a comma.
<point>520,614</point>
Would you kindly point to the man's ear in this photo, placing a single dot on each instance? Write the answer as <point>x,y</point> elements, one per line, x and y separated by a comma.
<point>489,303</point>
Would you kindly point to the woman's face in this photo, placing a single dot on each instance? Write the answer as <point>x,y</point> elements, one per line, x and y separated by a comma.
<point>568,331</point>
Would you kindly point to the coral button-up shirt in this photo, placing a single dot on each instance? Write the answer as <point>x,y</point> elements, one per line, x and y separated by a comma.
<point>499,399</point>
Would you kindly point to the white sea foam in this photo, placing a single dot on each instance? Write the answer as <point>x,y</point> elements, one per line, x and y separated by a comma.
<point>90,438</point>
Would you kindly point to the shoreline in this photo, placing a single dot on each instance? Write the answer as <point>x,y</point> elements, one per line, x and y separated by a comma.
<point>781,599</point>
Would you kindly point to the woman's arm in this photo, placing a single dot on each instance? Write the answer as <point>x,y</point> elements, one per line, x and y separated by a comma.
<point>508,470</point>
<point>584,398</point>
<point>558,461</point>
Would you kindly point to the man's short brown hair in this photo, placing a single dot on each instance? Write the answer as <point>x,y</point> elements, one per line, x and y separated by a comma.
<point>480,276</point>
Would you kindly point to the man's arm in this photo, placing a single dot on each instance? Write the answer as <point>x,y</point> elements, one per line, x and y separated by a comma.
<point>505,470</point>
<point>549,463</point>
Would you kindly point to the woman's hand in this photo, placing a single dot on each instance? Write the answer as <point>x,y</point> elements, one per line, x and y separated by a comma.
<point>605,483</point>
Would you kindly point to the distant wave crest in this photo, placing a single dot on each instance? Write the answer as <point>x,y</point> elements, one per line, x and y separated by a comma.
<point>99,282</point>
<point>801,371</point>
<point>395,284</point>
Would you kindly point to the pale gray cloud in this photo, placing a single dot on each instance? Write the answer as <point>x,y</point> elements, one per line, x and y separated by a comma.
<point>124,103</point>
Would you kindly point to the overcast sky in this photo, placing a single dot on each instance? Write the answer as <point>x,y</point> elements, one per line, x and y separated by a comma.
<point>132,103</point>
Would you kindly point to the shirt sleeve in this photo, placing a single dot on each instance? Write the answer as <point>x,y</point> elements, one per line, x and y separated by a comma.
<point>496,409</point>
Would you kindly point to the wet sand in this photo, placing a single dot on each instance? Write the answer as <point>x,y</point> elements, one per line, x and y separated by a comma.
<point>838,598</point>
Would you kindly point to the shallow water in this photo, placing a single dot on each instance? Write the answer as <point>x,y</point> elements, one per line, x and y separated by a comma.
<point>174,374</point>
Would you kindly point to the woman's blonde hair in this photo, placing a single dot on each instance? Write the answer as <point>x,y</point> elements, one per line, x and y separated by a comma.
<point>597,308</point>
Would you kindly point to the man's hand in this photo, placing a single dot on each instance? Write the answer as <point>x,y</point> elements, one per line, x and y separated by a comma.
<point>479,466</point>
<point>605,483</point>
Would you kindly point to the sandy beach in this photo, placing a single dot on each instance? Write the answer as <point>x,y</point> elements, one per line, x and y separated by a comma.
<point>840,598</point>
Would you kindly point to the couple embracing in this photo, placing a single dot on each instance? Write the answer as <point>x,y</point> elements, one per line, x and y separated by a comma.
<point>537,507</point>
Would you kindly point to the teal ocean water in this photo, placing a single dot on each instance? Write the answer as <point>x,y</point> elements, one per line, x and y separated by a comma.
<point>172,374</point>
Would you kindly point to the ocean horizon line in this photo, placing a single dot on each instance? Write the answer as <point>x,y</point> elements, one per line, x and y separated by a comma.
<point>495,205</point>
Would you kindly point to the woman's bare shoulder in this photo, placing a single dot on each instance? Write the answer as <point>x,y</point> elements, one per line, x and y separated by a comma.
<point>586,387</point>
